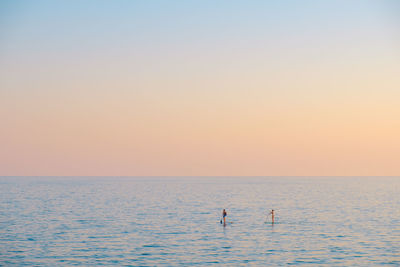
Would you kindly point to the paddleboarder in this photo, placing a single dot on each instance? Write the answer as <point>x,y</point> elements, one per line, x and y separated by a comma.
<point>272,215</point>
<point>224,216</point>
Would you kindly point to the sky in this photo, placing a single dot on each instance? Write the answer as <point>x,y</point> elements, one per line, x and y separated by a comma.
<point>200,88</point>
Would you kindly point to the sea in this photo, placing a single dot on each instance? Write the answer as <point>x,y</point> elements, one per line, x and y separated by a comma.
<point>176,221</point>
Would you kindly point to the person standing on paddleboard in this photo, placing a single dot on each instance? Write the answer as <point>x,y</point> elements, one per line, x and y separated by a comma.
<point>224,216</point>
<point>272,215</point>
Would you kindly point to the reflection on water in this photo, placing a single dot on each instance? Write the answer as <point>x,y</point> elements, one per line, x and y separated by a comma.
<point>176,221</point>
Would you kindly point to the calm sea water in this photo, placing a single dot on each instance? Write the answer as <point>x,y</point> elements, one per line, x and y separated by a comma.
<point>339,221</point>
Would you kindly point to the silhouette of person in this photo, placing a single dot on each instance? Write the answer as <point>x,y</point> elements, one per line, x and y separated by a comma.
<point>224,216</point>
<point>272,215</point>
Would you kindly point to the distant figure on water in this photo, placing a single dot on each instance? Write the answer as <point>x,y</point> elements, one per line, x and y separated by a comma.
<point>272,215</point>
<point>224,216</point>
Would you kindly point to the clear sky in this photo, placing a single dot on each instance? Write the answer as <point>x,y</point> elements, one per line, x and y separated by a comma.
<point>200,87</point>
